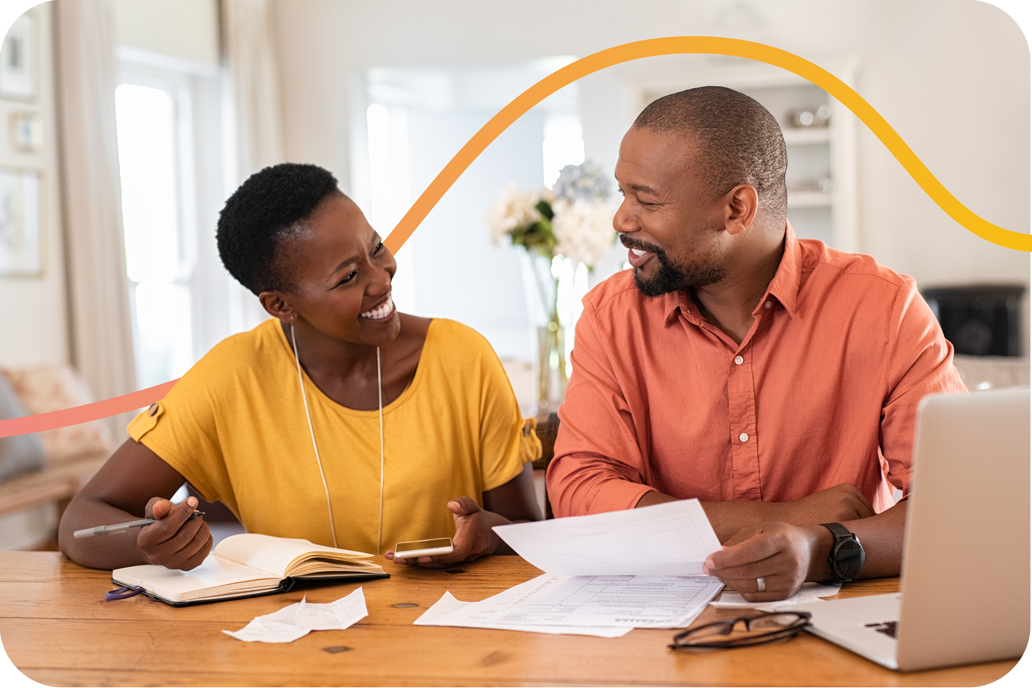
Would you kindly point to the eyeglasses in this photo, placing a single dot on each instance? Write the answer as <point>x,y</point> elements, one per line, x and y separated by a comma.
<point>743,632</point>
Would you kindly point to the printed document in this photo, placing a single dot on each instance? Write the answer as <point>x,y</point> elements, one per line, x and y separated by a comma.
<point>593,602</point>
<point>607,573</point>
<point>479,618</point>
<point>671,539</point>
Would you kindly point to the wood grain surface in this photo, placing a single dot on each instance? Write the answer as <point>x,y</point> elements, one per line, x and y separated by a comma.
<point>59,631</point>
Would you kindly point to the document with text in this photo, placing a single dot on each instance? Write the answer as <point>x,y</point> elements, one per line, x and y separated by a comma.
<point>606,574</point>
<point>665,539</point>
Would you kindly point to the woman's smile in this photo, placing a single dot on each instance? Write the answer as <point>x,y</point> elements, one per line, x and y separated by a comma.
<point>385,311</point>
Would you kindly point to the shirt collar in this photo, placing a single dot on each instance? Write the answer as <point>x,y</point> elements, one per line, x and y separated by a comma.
<point>784,287</point>
<point>676,303</point>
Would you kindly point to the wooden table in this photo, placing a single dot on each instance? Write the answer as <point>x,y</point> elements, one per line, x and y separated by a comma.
<point>57,628</point>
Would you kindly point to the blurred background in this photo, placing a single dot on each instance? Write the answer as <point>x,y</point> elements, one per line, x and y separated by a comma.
<point>127,123</point>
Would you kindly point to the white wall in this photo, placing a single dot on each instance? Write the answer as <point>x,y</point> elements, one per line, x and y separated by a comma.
<point>951,76</point>
<point>188,29</point>
<point>34,327</point>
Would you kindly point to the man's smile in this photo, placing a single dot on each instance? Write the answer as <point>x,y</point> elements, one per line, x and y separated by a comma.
<point>638,257</point>
<point>638,253</point>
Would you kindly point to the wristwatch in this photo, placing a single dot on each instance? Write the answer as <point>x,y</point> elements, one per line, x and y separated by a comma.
<point>847,554</point>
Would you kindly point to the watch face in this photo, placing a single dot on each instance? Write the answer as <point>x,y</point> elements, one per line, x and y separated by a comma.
<point>847,560</point>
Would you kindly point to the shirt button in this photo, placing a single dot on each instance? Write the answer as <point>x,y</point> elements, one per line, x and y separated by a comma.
<point>768,304</point>
<point>739,360</point>
<point>744,437</point>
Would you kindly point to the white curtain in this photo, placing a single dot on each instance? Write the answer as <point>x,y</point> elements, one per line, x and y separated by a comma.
<point>101,324</point>
<point>249,41</point>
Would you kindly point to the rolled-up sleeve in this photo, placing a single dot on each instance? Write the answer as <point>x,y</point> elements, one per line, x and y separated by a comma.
<point>598,465</point>
<point>920,362</point>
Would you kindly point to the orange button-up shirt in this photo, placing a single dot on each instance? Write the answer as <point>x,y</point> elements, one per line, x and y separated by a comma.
<point>823,389</point>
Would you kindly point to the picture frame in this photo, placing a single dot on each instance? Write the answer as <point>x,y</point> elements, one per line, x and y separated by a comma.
<point>26,132</point>
<point>21,252</point>
<point>18,60</point>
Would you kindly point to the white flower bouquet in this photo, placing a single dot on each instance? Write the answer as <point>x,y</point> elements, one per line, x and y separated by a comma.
<point>573,220</point>
<point>570,224</point>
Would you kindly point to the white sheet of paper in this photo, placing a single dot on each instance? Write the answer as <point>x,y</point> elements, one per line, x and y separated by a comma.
<point>810,592</point>
<point>296,620</point>
<point>593,602</point>
<point>262,631</point>
<point>334,616</point>
<point>448,604</point>
<point>665,539</point>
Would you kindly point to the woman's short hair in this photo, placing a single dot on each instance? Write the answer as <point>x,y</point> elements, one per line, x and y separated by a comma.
<point>270,205</point>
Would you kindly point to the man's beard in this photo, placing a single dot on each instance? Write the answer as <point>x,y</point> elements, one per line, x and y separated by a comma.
<point>672,277</point>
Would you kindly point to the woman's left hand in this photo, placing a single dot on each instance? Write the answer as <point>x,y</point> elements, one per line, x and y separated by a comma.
<point>473,536</point>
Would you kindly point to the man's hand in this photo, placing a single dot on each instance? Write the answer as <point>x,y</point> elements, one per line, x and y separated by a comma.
<point>176,541</point>
<point>781,553</point>
<point>473,536</point>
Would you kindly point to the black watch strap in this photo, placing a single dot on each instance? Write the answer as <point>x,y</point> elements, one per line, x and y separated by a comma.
<point>846,560</point>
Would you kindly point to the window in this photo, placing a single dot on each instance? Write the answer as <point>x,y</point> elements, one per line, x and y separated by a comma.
<point>169,124</point>
<point>157,260</point>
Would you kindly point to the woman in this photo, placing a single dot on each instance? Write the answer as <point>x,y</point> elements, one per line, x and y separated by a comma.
<point>340,421</point>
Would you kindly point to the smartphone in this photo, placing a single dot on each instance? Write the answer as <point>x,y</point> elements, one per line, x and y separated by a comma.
<point>423,548</point>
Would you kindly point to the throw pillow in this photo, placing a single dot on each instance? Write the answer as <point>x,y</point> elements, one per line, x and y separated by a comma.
<point>21,453</point>
<point>47,388</point>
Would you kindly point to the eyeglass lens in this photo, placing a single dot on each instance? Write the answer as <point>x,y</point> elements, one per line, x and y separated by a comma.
<point>744,629</point>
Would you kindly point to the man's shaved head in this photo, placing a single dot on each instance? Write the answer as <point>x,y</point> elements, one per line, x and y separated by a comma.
<point>739,141</point>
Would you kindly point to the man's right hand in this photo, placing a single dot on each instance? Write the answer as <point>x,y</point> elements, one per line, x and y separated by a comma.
<point>176,541</point>
<point>831,505</point>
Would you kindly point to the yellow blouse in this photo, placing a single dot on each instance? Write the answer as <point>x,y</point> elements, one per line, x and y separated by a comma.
<point>235,427</point>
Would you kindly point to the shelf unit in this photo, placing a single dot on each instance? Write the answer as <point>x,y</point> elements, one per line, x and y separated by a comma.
<point>821,177</point>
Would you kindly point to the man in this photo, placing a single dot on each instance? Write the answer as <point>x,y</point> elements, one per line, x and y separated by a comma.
<point>772,378</point>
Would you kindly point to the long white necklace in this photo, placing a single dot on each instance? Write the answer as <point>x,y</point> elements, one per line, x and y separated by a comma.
<point>315,447</point>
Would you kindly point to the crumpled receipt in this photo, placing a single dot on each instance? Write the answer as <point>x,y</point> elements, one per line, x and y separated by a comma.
<point>810,592</point>
<point>293,622</point>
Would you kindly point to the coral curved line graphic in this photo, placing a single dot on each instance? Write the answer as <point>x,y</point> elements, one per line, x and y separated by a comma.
<point>535,94</point>
<point>716,46</point>
<point>85,413</point>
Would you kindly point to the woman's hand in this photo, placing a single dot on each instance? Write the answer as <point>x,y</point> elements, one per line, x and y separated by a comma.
<point>781,554</point>
<point>473,536</point>
<point>176,541</point>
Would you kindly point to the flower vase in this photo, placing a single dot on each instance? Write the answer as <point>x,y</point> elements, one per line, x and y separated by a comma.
<point>552,374</point>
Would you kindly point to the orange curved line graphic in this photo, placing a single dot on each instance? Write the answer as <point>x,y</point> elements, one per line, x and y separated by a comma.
<point>717,46</point>
<point>85,413</point>
<point>546,87</point>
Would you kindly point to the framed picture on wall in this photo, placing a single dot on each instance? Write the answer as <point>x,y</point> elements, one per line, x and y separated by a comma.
<point>18,60</point>
<point>20,254</point>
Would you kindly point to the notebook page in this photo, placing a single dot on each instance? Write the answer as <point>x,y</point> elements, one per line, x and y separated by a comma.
<point>177,585</point>
<point>276,555</point>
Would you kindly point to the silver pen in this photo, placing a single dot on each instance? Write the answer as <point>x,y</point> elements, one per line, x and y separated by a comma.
<point>121,527</point>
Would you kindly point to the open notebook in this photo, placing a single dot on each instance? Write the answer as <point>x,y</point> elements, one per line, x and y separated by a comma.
<point>246,566</point>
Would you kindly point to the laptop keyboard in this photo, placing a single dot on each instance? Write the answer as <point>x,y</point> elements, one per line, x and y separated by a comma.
<point>886,627</point>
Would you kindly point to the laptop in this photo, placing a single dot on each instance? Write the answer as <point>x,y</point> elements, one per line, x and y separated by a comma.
<point>964,584</point>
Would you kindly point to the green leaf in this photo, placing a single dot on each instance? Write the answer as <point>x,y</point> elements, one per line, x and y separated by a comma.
<point>545,208</point>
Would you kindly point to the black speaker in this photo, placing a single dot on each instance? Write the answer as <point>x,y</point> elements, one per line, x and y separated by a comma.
<point>979,320</point>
